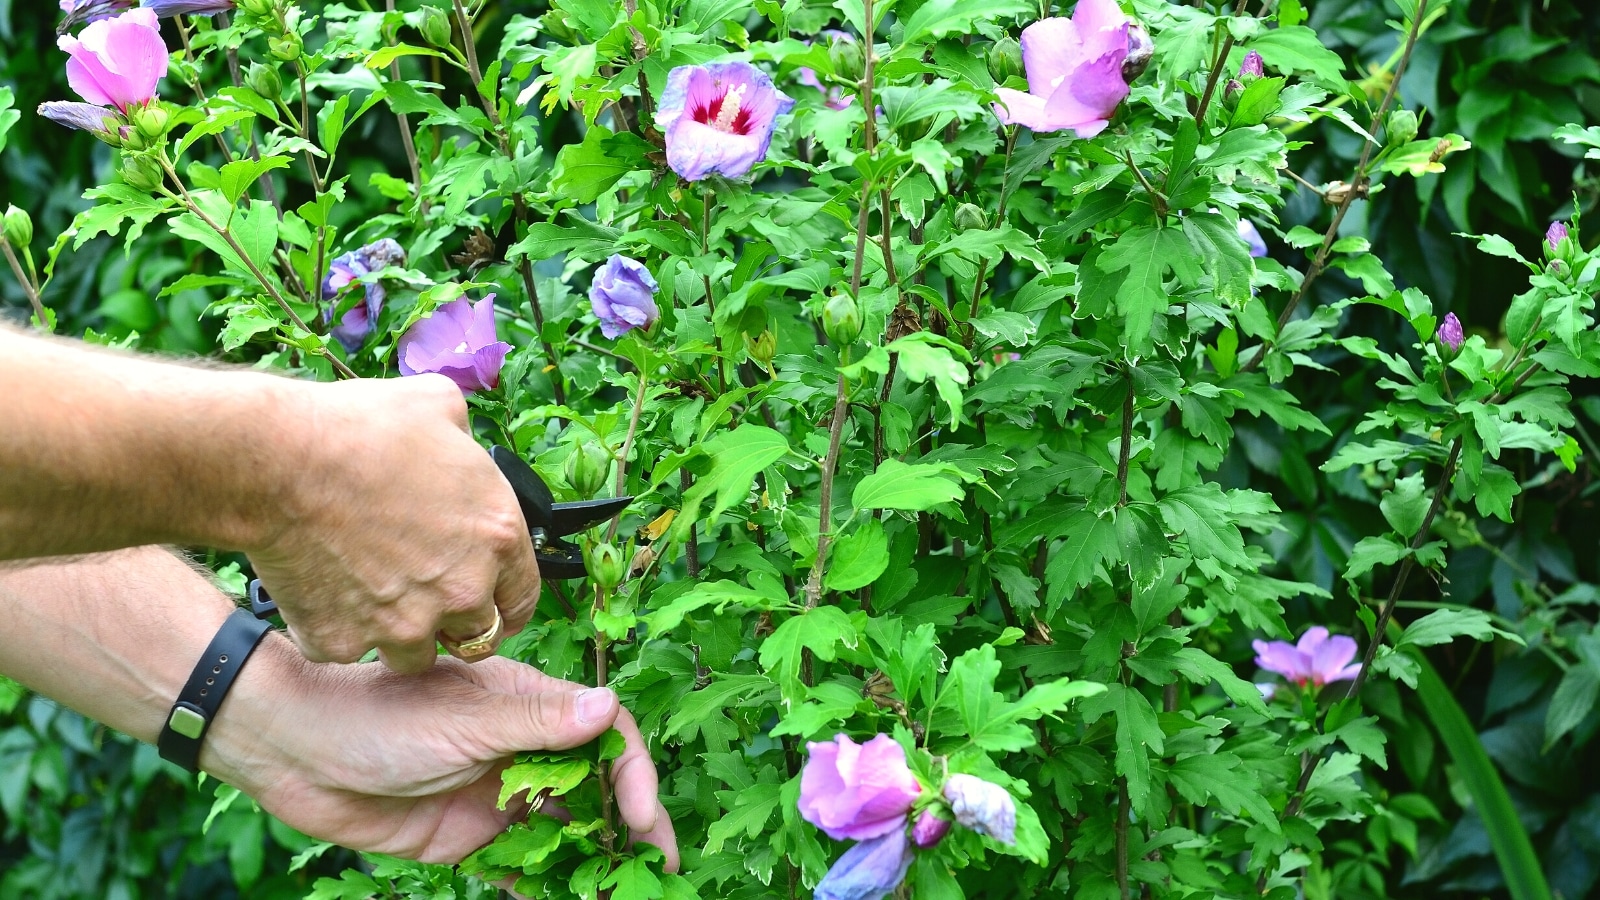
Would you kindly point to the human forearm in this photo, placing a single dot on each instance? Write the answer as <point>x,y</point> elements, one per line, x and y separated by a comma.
<point>102,450</point>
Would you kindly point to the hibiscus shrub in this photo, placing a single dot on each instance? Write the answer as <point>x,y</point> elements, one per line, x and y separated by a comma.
<point>921,333</point>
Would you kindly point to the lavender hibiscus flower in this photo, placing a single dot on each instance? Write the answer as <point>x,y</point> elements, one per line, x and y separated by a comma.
<point>857,791</point>
<point>718,118</point>
<point>459,342</point>
<point>983,806</point>
<point>1315,661</point>
<point>1074,68</point>
<point>623,296</point>
<point>358,321</point>
<point>870,870</point>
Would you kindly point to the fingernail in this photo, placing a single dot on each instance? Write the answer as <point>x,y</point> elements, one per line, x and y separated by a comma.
<point>594,705</point>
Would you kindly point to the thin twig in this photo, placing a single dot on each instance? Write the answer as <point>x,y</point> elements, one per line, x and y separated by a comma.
<point>1357,189</point>
<point>1123,811</point>
<point>1126,448</point>
<point>28,285</point>
<point>1216,69</point>
<point>627,448</point>
<point>405,128</point>
<point>830,465</point>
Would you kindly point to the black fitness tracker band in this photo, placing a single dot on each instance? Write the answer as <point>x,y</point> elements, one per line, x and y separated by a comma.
<point>208,684</point>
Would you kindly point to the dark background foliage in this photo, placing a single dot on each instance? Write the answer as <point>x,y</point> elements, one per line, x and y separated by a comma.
<point>87,813</point>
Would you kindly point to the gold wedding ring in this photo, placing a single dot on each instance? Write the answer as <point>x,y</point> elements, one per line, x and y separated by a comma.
<point>481,645</point>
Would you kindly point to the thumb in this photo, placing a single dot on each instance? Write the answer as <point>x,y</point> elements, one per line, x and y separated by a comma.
<point>547,720</point>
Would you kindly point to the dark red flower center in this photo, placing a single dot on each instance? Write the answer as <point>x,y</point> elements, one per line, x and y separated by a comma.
<point>726,113</point>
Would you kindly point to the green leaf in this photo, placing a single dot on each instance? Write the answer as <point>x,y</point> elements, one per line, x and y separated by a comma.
<point>708,593</point>
<point>632,879</point>
<point>1146,252</point>
<point>585,171</point>
<point>1257,102</point>
<point>913,487</point>
<point>1370,552</point>
<point>858,558</point>
<point>737,457</point>
<point>821,630</point>
<point>1406,505</point>
<point>1204,517</point>
<point>580,237</point>
<point>239,175</point>
<point>1138,735</point>
<point>1298,49</point>
<point>1519,864</point>
<point>940,17</point>
<point>925,356</point>
<point>1424,157</point>
<point>1444,625</point>
<point>534,774</point>
<point>1225,777</point>
<point>1091,540</point>
<point>1574,697</point>
<point>749,810</point>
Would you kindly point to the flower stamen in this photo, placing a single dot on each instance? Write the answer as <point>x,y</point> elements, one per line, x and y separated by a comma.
<point>728,113</point>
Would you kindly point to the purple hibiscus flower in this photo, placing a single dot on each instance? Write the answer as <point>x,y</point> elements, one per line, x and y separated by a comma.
<point>1074,69</point>
<point>983,806</point>
<point>870,870</point>
<point>459,342</point>
<point>1315,661</point>
<point>857,791</point>
<point>623,296</point>
<point>117,61</point>
<point>359,320</point>
<point>718,118</point>
<point>1252,66</point>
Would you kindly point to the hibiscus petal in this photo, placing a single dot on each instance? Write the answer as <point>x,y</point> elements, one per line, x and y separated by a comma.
<point>1332,655</point>
<point>1280,657</point>
<point>1086,101</point>
<point>1017,108</point>
<point>1102,27</point>
<point>1051,49</point>
<point>695,151</point>
<point>480,330</point>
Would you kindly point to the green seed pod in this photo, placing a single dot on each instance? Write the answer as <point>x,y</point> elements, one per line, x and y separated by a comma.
<point>841,319</point>
<point>969,217</point>
<point>606,566</point>
<point>19,227</point>
<point>265,81</point>
<point>1401,127</point>
<point>141,172</point>
<point>586,469</point>
<point>1005,59</point>
<point>435,26</point>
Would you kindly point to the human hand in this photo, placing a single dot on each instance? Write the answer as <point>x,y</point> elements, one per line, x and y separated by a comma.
<point>410,765</point>
<point>397,527</point>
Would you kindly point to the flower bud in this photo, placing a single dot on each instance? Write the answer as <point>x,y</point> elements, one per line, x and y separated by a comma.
<point>1005,60</point>
<point>1251,67</point>
<point>1450,335</point>
<point>929,830</point>
<point>264,80</point>
<point>1231,92</point>
<point>132,138</point>
<point>1140,50</point>
<point>762,348</point>
<point>1401,127</point>
<point>286,47</point>
<point>982,806</point>
<point>435,26</point>
<point>849,61</point>
<point>258,7</point>
<point>19,227</point>
<point>586,469</point>
<point>605,564</point>
<point>1553,237</point>
<point>841,319</point>
<point>141,172</point>
<point>151,121</point>
<point>969,217</point>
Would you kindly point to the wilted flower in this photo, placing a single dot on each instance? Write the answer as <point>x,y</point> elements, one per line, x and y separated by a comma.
<point>623,296</point>
<point>358,320</point>
<point>98,120</point>
<point>1251,66</point>
<point>1140,51</point>
<point>833,97</point>
<point>78,12</point>
<point>857,791</point>
<point>1450,333</point>
<point>718,118</point>
<point>869,870</point>
<point>1554,235</point>
<point>1252,236</point>
<point>168,8</point>
<point>459,342</point>
<point>117,61</point>
<point>1074,71</point>
<point>929,829</point>
<point>983,806</point>
<point>1315,661</point>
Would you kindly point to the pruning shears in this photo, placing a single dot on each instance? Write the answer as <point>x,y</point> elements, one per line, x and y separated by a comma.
<point>548,522</point>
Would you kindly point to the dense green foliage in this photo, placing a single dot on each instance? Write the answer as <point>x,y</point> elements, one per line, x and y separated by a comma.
<point>1083,451</point>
